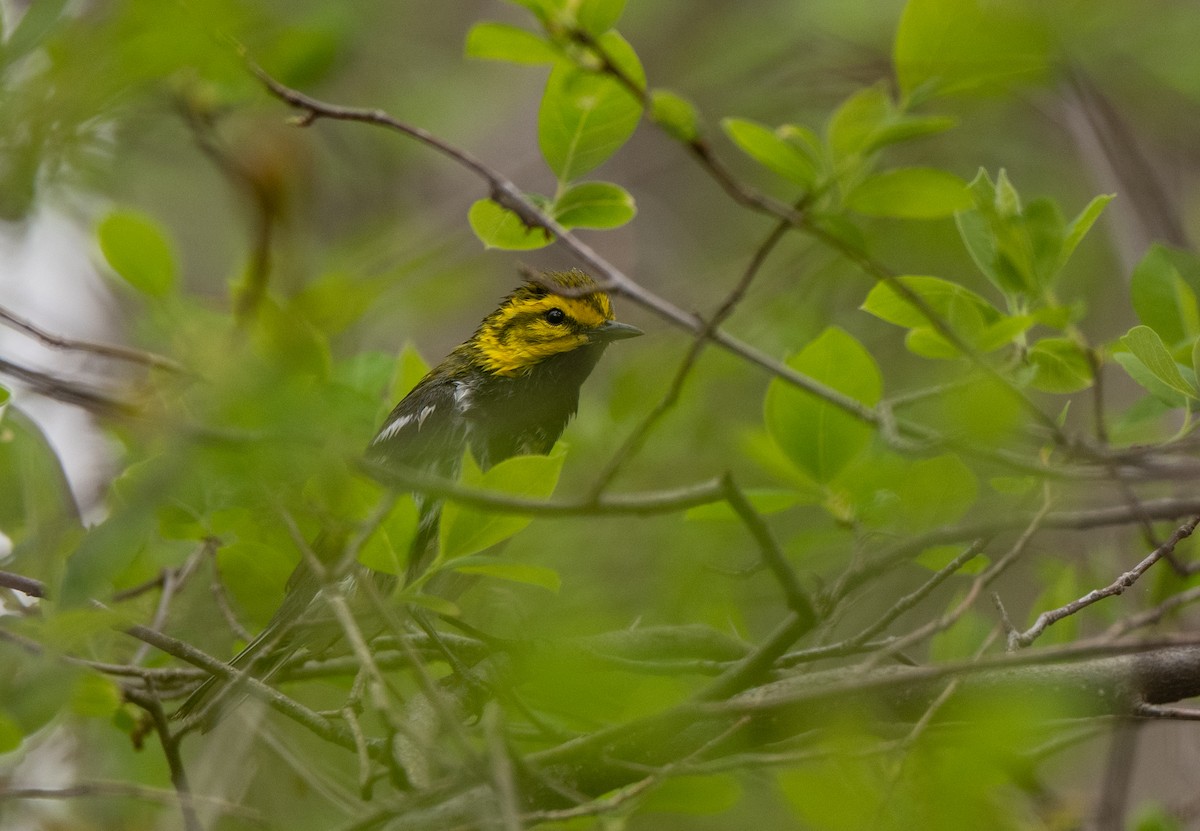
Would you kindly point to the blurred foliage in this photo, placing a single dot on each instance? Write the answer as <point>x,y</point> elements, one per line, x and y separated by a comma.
<point>979,325</point>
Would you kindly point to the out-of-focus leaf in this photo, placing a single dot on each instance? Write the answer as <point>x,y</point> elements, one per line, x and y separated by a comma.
<point>467,531</point>
<point>1061,366</point>
<point>964,45</point>
<point>410,369</point>
<point>910,193</point>
<point>594,205</point>
<point>857,119</point>
<point>137,249</point>
<point>386,550</point>
<point>820,438</point>
<point>940,556</point>
<point>255,574</point>
<point>675,114</point>
<point>527,573</point>
<point>598,16</point>
<point>764,500</point>
<point>498,227</point>
<point>695,795</point>
<point>502,42</point>
<point>1079,226</point>
<point>1163,289</point>
<point>935,492</point>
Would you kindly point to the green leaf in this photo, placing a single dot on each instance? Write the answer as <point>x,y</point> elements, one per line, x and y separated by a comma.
<point>1139,372</point>
<point>386,550</point>
<point>498,227</point>
<point>675,114</point>
<point>771,150</point>
<point>940,295</point>
<point>764,500</point>
<point>1061,366</point>
<point>137,249</point>
<point>585,116</point>
<point>955,46</point>
<point>409,370</point>
<point>695,796</point>
<point>594,205</point>
<point>1163,289</point>
<point>1079,226</point>
<point>598,16</point>
<point>11,734</point>
<point>910,193</point>
<point>1148,347</point>
<point>906,128</point>
<point>818,437</point>
<point>531,575</point>
<point>255,574</point>
<point>502,42</point>
<point>935,492</point>
<point>467,531</point>
<point>859,117</point>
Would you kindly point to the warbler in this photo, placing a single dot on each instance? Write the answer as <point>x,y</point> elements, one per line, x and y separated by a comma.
<point>508,390</point>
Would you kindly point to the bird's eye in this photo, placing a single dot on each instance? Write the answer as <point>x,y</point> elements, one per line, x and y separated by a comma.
<point>555,316</point>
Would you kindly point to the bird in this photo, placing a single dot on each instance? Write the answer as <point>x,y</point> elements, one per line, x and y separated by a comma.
<point>510,389</point>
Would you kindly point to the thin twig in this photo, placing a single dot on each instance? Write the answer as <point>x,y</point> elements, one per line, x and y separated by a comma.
<point>118,353</point>
<point>1118,586</point>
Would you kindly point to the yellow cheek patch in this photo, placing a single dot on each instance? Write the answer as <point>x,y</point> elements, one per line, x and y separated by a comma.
<point>517,336</point>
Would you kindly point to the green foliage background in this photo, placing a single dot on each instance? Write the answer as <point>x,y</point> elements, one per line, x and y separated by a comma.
<point>306,277</point>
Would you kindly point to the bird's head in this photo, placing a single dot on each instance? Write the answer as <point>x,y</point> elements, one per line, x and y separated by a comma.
<point>554,314</point>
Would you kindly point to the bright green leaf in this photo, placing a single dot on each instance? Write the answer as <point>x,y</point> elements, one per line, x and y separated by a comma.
<point>935,492</point>
<point>498,227</point>
<point>410,368</point>
<point>906,128</point>
<point>886,303</point>
<point>675,114</point>
<point>531,575</point>
<point>1061,366</point>
<point>963,45</point>
<point>594,205</point>
<point>1148,347</point>
<point>598,16</point>
<point>859,117</point>
<point>820,438</point>
<point>1139,372</point>
<point>502,42</point>
<point>1163,289</point>
<point>586,116</point>
<point>1079,226</point>
<point>386,550</point>
<point>771,150</point>
<point>910,193</point>
<point>137,249</point>
<point>467,531</point>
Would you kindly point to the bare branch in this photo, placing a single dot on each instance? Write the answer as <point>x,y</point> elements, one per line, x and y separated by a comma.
<point>1118,586</point>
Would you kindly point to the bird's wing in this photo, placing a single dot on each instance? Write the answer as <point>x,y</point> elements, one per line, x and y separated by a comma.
<point>426,430</point>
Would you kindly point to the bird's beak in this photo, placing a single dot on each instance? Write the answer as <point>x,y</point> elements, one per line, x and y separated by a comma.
<point>612,330</point>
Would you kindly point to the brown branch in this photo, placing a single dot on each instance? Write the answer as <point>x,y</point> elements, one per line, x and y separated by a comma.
<point>103,350</point>
<point>69,392</point>
<point>1118,586</point>
<point>23,584</point>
